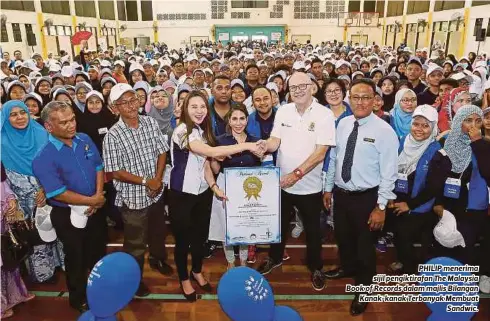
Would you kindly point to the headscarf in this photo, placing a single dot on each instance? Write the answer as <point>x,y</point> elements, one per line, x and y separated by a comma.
<point>457,145</point>
<point>79,86</point>
<point>478,85</point>
<point>389,100</point>
<point>46,99</point>
<point>446,112</point>
<point>20,146</point>
<point>163,116</point>
<point>90,123</point>
<point>11,86</point>
<point>413,149</point>
<point>30,87</point>
<point>401,121</point>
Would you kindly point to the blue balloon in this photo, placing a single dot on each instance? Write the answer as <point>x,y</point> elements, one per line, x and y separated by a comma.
<point>89,316</point>
<point>285,313</point>
<point>112,284</point>
<point>245,295</point>
<point>439,309</point>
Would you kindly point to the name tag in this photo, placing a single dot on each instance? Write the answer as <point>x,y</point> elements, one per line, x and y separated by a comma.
<point>452,188</point>
<point>369,140</point>
<point>285,125</point>
<point>401,184</point>
<point>103,131</point>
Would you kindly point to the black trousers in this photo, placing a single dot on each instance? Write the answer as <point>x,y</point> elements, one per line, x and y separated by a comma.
<point>354,239</point>
<point>82,247</point>
<point>410,228</point>
<point>142,227</point>
<point>309,208</point>
<point>112,210</point>
<point>189,215</point>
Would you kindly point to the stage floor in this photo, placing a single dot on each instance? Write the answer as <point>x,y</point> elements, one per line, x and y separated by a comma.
<point>291,285</point>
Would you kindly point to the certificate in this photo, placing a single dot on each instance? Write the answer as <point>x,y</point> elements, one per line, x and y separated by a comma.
<point>253,209</point>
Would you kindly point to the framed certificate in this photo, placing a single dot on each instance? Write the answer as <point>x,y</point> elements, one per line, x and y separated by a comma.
<point>253,209</point>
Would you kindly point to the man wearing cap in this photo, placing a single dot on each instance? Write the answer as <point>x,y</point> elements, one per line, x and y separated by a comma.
<point>413,73</point>
<point>430,94</point>
<point>441,57</point>
<point>43,69</point>
<point>93,75</point>
<point>192,64</point>
<point>135,153</point>
<point>71,173</point>
<point>302,134</point>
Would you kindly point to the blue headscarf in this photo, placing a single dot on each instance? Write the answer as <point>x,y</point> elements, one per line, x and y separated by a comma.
<point>401,121</point>
<point>20,146</point>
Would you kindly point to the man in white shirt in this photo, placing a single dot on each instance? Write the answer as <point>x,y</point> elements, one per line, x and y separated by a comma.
<point>302,133</point>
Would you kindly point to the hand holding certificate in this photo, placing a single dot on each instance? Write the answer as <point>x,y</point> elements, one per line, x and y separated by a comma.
<point>253,205</point>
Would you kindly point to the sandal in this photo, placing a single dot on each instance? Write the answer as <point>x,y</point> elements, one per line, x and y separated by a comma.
<point>8,314</point>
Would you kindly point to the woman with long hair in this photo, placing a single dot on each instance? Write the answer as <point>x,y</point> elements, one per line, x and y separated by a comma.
<point>191,186</point>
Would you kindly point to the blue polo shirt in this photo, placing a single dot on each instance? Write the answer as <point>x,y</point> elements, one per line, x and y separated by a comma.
<point>59,167</point>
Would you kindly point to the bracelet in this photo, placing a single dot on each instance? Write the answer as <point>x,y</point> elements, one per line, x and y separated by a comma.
<point>298,173</point>
<point>213,186</point>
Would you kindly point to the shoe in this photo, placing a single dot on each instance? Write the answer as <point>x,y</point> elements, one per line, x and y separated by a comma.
<point>296,232</point>
<point>318,280</point>
<point>192,297</point>
<point>161,266</point>
<point>209,249</point>
<point>356,307</point>
<point>381,245</point>
<point>285,256</point>
<point>267,266</point>
<point>80,307</point>
<point>337,274</point>
<point>142,290</point>
<point>251,258</point>
<point>206,287</point>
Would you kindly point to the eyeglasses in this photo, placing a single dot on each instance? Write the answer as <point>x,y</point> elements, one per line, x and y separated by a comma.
<point>128,103</point>
<point>409,100</point>
<point>81,93</point>
<point>333,92</point>
<point>294,88</point>
<point>363,99</point>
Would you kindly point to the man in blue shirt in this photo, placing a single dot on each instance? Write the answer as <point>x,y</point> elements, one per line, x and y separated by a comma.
<point>70,171</point>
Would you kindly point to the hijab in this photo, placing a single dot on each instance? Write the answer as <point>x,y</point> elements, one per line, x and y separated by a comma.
<point>46,98</point>
<point>401,121</point>
<point>91,123</point>
<point>20,146</point>
<point>163,116</point>
<point>457,145</point>
<point>389,100</point>
<point>413,149</point>
<point>79,86</point>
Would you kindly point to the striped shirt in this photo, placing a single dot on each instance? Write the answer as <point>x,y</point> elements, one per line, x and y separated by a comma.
<point>136,151</point>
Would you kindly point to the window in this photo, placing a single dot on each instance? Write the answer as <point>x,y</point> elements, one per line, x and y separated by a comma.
<point>16,32</point>
<point>395,8</point>
<point>5,36</point>
<point>85,8</point>
<point>132,10</point>
<point>247,4</point>
<point>17,5</point>
<point>417,6</point>
<point>121,10</point>
<point>56,7</point>
<point>106,10</point>
<point>380,8</point>
<point>447,5</point>
<point>369,6</point>
<point>146,10</point>
<point>354,6</point>
<point>479,3</point>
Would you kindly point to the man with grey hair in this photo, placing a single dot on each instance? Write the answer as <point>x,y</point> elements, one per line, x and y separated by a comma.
<point>71,172</point>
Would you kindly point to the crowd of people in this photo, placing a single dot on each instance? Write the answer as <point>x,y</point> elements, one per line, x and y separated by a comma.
<point>391,145</point>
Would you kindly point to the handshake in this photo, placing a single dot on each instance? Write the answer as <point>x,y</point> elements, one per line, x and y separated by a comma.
<point>259,148</point>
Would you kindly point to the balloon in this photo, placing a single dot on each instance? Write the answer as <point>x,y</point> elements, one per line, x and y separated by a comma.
<point>438,309</point>
<point>245,295</point>
<point>112,284</point>
<point>285,313</point>
<point>89,316</point>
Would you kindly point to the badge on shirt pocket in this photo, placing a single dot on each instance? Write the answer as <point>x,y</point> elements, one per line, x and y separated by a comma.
<point>103,131</point>
<point>401,184</point>
<point>452,188</point>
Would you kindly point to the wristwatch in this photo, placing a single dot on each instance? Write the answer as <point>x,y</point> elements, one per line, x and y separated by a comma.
<point>382,207</point>
<point>298,173</point>
<point>143,181</point>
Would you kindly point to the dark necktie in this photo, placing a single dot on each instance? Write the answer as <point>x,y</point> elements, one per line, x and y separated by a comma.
<point>349,153</point>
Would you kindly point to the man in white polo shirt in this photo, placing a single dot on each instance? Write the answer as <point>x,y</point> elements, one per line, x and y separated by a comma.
<point>302,133</point>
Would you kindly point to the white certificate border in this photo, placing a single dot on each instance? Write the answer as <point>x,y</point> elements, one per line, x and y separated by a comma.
<point>277,171</point>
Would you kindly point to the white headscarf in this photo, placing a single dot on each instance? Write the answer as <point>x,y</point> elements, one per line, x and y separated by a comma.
<point>413,149</point>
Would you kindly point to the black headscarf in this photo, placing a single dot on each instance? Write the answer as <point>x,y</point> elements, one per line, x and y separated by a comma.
<point>46,98</point>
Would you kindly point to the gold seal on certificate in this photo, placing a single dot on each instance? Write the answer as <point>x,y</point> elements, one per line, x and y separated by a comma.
<point>253,206</point>
<point>252,187</point>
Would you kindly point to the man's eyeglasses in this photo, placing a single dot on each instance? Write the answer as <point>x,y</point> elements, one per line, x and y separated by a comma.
<point>128,103</point>
<point>363,99</point>
<point>294,88</point>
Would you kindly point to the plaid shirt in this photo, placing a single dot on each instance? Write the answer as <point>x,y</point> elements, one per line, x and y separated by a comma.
<point>135,150</point>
